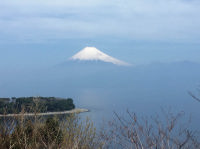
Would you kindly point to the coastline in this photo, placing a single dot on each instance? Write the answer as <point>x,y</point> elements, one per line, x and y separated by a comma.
<point>77,110</point>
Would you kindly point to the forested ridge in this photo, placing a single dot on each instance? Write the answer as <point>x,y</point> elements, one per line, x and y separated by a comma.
<point>29,104</point>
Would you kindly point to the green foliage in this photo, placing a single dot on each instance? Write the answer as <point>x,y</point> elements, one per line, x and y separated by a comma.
<point>48,133</point>
<point>74,133</point>
<point>4,100</point>
<point>22,134</point>
<point>30,104</point>
<point>51,131</point>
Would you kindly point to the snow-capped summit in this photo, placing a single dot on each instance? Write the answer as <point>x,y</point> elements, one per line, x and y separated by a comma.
<point>92,53</point>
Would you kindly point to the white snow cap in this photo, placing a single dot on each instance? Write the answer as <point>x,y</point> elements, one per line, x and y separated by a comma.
<point>92,53</point>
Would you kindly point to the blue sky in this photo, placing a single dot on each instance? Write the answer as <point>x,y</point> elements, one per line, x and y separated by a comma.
<point>138,31</point>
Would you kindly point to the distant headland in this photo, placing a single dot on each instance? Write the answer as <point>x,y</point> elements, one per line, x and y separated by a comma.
<point>28,106</point>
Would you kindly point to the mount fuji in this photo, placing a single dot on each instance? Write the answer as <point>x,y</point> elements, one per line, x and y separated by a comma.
<point>93,54</point>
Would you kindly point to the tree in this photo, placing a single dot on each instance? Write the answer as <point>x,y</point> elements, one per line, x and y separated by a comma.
<point>161,132</point>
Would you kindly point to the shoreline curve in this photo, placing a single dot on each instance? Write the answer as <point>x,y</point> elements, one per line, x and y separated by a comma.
<point>77,110</point>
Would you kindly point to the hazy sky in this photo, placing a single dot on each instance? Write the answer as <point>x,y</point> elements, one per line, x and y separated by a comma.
<point>39,34</point>
<point>138,31</point>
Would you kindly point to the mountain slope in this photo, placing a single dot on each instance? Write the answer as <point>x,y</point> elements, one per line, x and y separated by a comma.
<point>93,54</point>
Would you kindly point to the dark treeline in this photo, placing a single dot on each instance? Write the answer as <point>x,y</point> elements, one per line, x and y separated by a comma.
<point>31,104</point>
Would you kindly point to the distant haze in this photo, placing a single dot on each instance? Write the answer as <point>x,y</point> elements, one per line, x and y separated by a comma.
<point>104,87</point>
<point>160,38</point>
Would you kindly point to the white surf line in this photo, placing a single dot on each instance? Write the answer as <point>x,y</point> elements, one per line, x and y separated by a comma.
<point>47,113</point>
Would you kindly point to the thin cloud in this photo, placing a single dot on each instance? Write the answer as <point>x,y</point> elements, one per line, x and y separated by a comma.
<point>164,20</point>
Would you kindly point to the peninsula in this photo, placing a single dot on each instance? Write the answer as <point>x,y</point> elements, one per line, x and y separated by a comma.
<point>28,106</point>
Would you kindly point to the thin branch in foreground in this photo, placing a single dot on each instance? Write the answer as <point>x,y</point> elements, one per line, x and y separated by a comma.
<point>193,96</point>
